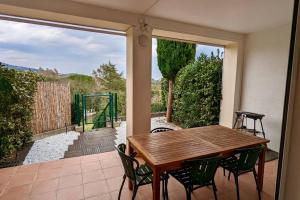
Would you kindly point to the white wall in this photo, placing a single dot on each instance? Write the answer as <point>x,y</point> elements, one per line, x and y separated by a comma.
<point>264,76</point>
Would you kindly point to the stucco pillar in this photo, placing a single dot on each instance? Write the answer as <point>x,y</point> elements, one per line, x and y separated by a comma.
<point>231,83</point>
<point>138,81</point>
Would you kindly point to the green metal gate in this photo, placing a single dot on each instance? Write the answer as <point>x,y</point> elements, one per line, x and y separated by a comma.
<point>96,110</point>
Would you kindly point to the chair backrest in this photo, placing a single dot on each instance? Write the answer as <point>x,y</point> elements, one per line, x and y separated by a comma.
<point>161,129</point>
<point>202,171</point>
<point>248,157</point>
<point>129,163</point>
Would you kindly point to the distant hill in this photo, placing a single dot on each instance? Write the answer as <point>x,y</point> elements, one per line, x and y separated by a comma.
<point>19,68</point>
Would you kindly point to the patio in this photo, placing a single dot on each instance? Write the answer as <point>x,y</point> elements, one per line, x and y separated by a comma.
<point>99,176</point>
<point>258,68</point>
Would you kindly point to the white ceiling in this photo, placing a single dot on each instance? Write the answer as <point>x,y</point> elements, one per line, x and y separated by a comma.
<point>243,16</point>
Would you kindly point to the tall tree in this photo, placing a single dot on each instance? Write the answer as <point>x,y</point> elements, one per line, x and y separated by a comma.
<point>171,57</point>
<point>109,78</point>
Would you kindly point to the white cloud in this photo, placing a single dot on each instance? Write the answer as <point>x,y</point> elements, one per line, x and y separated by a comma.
<point>65,49</point>
<point>70,51</point>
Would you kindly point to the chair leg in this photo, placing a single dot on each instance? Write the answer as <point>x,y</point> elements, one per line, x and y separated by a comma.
<point>135,188</point>
<point>237,186</point>
<point>124,178</point>
<point>229,175</point>
<point>224,171</point>
<point>163,189</point>
<point>166,189</point>
<point>256,181</point>
<point>215,190</point>
<point>188,194</point>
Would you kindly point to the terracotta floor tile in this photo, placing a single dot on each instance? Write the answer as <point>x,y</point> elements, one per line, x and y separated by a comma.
<point>107,155</point>
<point>68,181</point>
<point>125,195</point>
<point>90,166</point>
<point>100,197</point>
<point>104,183</point>
<point>2,188</point>
<point>8,171</point>
<point>106,163</point>
<point>89,158</point>
<point>47,174</point>
<point>51,164</point>
<point>115,183</point>
<point>4,178</point>
<point>95,188</point>
<point>113,172</point>
<point>22,179</point>
<point>14,196</point>
<point>93,176</point>
<point>71,161</point>
<point>44,196</point>
<point>45,186</point>
<point>23,189</point>
<point>73,193</point>
<point>71,170</point>
<point>30,169</point>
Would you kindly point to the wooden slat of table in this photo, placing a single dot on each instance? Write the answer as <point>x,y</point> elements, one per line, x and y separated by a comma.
<point>167,150</point>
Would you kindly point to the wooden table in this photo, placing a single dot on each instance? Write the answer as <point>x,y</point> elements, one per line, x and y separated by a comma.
<point>167,150</point>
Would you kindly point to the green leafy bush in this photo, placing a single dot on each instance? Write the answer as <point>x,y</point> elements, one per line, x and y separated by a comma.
<point>197,92</point>
<point>158,107</point>
<point>16,100</point>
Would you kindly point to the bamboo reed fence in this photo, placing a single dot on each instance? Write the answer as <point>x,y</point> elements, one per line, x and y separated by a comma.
<point>52,107</point>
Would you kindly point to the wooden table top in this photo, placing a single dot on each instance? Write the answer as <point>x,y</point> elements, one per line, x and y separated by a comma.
<point>172,147</point>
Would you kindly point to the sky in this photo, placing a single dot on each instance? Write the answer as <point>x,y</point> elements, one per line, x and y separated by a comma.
<point>67,50</point>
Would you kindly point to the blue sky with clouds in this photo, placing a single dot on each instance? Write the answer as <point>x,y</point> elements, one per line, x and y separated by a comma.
<point>69,51</point>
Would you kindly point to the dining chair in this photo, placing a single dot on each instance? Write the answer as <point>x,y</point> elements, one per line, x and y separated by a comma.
<point>161,129</point>
<point>198,173</point>
<point>243,161</point>
<point>138,174</point>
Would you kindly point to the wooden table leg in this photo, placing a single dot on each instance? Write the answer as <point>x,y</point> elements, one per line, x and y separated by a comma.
<point>130,151</point>
<point>156,184</point>
<point>261,168</point>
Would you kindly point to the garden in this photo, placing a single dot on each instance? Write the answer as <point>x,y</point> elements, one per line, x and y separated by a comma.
<point>191,88</point>
<point>189,95</point>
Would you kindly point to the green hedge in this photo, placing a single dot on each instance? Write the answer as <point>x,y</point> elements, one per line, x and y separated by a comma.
<point>16,100</point>
<point>197,92</point>
<point>158,107</point>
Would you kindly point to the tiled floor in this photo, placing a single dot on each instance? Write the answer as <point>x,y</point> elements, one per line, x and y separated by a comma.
<point>98,176</point>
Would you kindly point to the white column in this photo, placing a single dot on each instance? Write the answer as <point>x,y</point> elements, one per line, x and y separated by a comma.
<point>138,81</point>
<point>231,83</point>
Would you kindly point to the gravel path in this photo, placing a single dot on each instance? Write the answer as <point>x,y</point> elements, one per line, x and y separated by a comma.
<point>50,148</point>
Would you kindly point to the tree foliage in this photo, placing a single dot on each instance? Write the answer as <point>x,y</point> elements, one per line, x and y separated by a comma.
<point>17,97</point>
<point>173,55</point>
<point>198,92</point>
<point>109,79</point>
<point>81,84</point>
<point>164,91</point>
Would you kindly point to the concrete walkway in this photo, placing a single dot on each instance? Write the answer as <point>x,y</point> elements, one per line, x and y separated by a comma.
<point>155,123</point>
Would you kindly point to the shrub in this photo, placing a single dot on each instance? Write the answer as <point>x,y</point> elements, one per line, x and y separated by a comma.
<point>16,108</point>
<point>158,107</point>
<point>198,92</point>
